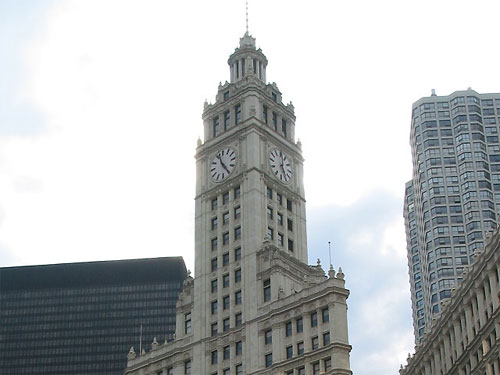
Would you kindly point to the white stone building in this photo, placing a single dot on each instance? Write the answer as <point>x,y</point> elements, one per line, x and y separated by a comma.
<point>254,306</point>
<point>465,338</point>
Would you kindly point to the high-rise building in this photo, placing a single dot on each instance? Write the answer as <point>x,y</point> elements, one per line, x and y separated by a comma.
<point>255,306</point>
<point>80,318</point>
<point>452,201</point>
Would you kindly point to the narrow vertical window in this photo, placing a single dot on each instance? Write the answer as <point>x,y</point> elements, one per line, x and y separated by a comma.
<point>237,112</point>
<point>227,120</point>
<point>187,367</point>
<point>267,290</point>
<point>275,121</point>
<point>325,315</point>
<point>283,127</point>
<point>216,126</point>
<point>264,114</point>
<point>187,323</point>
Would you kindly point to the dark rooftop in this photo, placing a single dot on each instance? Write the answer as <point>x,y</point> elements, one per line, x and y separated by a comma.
<point>116,272</point>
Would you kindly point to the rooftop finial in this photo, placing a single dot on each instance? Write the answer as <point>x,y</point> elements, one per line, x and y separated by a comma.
<point>247,13</point>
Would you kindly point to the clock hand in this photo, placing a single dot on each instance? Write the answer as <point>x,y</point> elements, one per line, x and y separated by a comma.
<point>222,163</point>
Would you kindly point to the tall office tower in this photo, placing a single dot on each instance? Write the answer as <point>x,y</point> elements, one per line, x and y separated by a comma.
<point>79,318</point>
<point>454,196</point>
<point>255,306</point>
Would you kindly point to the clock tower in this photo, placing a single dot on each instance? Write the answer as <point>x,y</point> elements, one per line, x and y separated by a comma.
<point>254,306</point>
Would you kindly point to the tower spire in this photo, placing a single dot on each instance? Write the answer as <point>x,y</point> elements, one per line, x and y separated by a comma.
<point>246,2</point>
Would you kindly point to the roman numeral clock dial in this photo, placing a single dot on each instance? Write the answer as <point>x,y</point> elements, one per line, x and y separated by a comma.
<point>223,164</point>
<point>280,165</point>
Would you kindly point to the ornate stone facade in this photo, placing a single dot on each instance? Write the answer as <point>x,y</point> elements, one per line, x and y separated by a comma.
<point>465,338</point>
<point>254,306</point>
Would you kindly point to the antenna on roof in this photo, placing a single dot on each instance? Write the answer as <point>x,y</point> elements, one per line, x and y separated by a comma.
<point>140,340</point>
<point>246,3</point>
<point>330,252</point>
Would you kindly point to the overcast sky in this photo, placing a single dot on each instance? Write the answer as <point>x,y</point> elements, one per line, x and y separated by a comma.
<point>100,110</point>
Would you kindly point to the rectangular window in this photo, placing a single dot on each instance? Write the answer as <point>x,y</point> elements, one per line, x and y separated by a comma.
<point>283,127</point>
<point>225,218</point>
<point>225,238</point>
<point>213,329</point>
<point>225,198</point>
<point>225,280</point>
<point>239,369</point>
<point>315,368</point>
<point>275,121</point>
<point>213,285</point>
<point>214,243</point>
<point>225,259</point>
<point>274,96</point>
<point>279,218</point>
<point>264,114</point>
<point>288,329</point>
<point>300,348</point>
<point>267,290</point>
<point>226,371</point>
<point>237,297</point>
<point>187,323</point>
<point>270,233</point>
<point>213,264</point>
<point>315,343</point>
<point>237,254</point>
<point>269,359</point>
<point>225,302</point>
<point>289,205</point>
<point>289,352</point>
<point>239,347</point>
<point>280,239</point>
<point>326,338</point>
<point>237,192</point>
<point>170,371</point>
<point>300,325</point>
<point>269,213</point>
<point>314,319</point>
<point>237,112</point>
<point>213,357</point>
<point>214,223</point>
<point>327,364</point>
<point>227,352</point>
<point>227,120</point>
<point>187,367</point>
<point>214,204</point>
<point>279,198</point>
<point>216,126</point>
<point>269,192</point>
<point>301,371</point>
<point>268,337</point>
<point>237,212</point>
<point>325,314</point>
<point>225,325</point>
<point>238,320</point>
<point>237,233</point>
<point>289,224</point>
<point>290,245</point>
<point>237,275</point>
<point>226,95</point>
<point>213,307</point>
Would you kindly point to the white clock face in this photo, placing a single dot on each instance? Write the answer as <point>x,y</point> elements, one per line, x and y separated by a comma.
<point>280,165</point>
<point>222,164</point>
